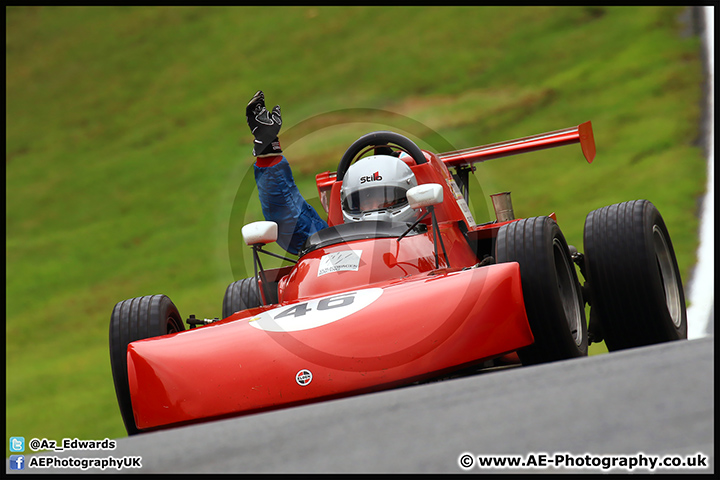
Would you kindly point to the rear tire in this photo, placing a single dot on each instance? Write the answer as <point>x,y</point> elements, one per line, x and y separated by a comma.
<point>635,285</point>
<point>241,295</point>
<point>551,291</point>
<point>131,320</point>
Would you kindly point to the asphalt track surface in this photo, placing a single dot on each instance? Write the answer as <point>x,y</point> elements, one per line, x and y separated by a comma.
<point>655,401</point>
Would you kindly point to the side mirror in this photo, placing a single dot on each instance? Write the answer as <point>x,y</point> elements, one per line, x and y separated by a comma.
<point>425,195</point>
<point>428,195</point>
<point>260,233</point>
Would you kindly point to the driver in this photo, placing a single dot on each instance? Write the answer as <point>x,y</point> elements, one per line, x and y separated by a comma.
<point>374,188</point>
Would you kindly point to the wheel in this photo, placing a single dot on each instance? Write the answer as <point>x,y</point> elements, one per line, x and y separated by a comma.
<point>241,295</point>
<point>635,285</point>
<point>136,319</point>
<point>382,140</point>
<point>551,291</point>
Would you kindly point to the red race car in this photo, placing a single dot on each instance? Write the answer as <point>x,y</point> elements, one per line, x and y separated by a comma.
<point>370,305</point>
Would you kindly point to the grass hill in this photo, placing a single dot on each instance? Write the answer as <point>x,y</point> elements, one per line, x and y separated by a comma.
<point>128,157</point>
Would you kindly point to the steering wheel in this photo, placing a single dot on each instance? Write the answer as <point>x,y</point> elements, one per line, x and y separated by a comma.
<point>379,139</point>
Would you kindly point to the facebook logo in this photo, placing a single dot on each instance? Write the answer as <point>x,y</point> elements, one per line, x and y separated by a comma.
<point>17,462</point>
<point>17,444</point>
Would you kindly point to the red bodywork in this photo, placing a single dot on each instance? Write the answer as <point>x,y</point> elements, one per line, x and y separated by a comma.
<point>388,317</point>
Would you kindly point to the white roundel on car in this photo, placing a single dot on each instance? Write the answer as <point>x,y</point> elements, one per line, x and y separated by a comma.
<point>316,312</point>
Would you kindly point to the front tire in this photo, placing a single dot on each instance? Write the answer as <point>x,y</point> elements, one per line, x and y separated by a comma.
<point>131,320</point>
<point>635,284</point>
<point>551,291</point>
<point>241,295</point>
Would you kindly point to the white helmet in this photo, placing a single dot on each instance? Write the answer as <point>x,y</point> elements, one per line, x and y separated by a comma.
<point>375,188</point>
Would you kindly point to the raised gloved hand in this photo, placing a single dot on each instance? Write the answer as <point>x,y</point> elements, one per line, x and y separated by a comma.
<point>264,125</point>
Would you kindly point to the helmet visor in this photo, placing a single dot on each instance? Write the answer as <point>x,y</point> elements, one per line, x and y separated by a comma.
<point>374,198</point>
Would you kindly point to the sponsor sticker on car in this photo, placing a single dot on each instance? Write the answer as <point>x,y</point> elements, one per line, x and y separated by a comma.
<point>346,260</point>
<point>462,203</point>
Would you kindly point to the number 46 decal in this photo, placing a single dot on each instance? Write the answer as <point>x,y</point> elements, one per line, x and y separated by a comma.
<point>325,304</point>
<point>315,313</point>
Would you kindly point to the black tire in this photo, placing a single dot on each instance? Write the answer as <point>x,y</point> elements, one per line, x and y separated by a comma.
<point>551,291</point>
<point>635,285</point>
<point>136,319</point>
<point>241,295</point>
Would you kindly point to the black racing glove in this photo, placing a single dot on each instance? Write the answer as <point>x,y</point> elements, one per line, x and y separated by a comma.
<point>264,125</point>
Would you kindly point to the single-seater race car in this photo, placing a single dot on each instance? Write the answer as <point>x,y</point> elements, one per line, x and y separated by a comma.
<point>370,305</point>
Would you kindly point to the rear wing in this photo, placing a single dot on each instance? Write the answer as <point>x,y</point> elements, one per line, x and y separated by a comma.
<point>582,134</point>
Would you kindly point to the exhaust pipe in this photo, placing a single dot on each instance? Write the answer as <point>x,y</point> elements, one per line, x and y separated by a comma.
<point>503,207</point>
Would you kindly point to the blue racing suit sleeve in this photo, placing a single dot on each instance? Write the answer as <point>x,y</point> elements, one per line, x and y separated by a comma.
<point>283,204</point>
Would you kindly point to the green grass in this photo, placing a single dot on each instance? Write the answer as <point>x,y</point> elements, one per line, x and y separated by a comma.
<point>127,153</point>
